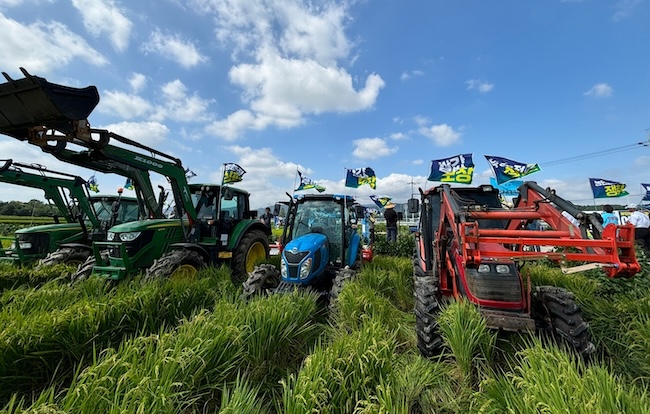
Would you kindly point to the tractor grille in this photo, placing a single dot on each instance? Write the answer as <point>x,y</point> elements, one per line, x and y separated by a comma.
<point>40,242</point>
<point>132,248</point>
<point>505,287</point>
<point>294,258</point>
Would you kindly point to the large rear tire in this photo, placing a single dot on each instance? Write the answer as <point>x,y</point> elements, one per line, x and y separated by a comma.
<point>73,256</point>
<point>176,265</point>
<point>427,308</point>
<point>261,280</point>
<point>252,250</point>
<point>556,313</point>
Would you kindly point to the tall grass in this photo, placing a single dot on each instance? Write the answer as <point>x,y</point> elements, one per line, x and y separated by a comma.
<point>12,277</point>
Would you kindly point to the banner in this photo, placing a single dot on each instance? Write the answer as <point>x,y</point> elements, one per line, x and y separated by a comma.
<point>506,170</point>
<point>232,173</point>
<point>308,184</point>
<point>92,184</point>
<point>457,169</point>
<point>646,192</point>
<point>128,184</point>
<point>380,201</point>
<point>357,177</point>
<point>607,189</point>
<point>511,188</point>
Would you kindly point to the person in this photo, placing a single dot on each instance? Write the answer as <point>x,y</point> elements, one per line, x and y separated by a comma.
<point>391,222</point>
<point>266,219</point>
<point>641,223</point>
<point>608,216</point>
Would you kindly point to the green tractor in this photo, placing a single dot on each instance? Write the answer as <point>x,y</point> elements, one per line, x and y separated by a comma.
<point>87,218</point>
<point>211,224</point>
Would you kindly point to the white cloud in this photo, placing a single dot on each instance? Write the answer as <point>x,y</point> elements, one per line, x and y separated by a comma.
<point>397,136</point>
<point>14,3</point>
<point>126,106</point>
<point>151,134</point>
<point>177,105</point>
<point>479,85</point>
<point>41,46</point>
<point>442,135</point>
<point>600,90</point>
<point>137,81</point>
<point>624,8</point>
<point>287,55</point>
<point>103,17</point>
<point>175,48</point>
<point>417,162</point>
<point>372,148</point>
<point>411,74</point>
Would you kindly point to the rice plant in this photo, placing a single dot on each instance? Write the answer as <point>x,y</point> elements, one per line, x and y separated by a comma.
<point>242,398</point>
<point>393,278</point>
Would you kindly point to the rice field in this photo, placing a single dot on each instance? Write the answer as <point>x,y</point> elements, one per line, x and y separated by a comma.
<point>195,347</point>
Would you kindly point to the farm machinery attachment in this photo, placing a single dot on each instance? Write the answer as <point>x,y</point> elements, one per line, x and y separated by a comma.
<point>470,247</point>
<point>320,248</point>
<point>210,224</point>
<point>87,217</point>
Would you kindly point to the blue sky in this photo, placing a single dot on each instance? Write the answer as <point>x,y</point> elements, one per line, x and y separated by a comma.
<point>281,85</point>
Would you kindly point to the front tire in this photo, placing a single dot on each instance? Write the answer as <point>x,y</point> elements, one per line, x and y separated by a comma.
<point>252,250</point>
<point>261,280</point>
<point>343,277</point>
<point>427,308</point>
<point>176,265</point>
<point>556,313</point>
<point>86,268</point>
<point>72,256</point>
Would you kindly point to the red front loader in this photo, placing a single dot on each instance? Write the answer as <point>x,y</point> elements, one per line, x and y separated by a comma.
<point>469,246</point>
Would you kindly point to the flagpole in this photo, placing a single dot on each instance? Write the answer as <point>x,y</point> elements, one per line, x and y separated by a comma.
<point>223,173</point>
<point>293,189</point>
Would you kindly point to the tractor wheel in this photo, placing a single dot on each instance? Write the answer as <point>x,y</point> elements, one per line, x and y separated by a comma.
<point>556,312</point>
<point>253,249</point>
<point>342,277</point>
<point>66,255</point>
<point>264,278</point>
<point>176,264</point>
<point>427,307</point>
<point>85,269</point>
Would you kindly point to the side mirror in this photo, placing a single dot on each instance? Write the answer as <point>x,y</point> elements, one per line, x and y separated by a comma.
<point>277,208</point>
<point>359,210</point>
<point>413,205</point>
<point>227,194</point>
<point>252,214</point>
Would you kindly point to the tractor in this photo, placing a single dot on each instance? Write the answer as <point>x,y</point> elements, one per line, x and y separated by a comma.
<point>211,224</point>
<point>471,247</point>
<point>87,218</point>
<point>320,248</point>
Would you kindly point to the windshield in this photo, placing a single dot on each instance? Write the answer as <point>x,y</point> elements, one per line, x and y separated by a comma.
<point>321,215</point>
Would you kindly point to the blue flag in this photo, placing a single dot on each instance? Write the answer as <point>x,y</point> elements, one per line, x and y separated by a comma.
<point>506,170</point>
<point>357,177</point>
<point>308,184</point>
<point>232,173</point>
<point>511,188</point>
<point>456,169</point>
<point>128,184</point>
<point>381,201</point>
<point>92,184</point>
<point>646,194</point>
<point>607,189</point>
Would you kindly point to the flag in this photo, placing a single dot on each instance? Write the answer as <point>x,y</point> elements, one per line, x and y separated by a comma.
<point>456,169</point>
<point>357,177</point>
<point>380,201</point>
<point>308,184</point>
<point>511,188</point>
<point>189,173</point>
<point>646,189</point>
<point>605,188</point>
<point>92,184</point>
<point>129,184</point>
<point>506,170</point>
<point>232,173</point>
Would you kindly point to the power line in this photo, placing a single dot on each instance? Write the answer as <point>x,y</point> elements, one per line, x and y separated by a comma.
<point>596,154</point>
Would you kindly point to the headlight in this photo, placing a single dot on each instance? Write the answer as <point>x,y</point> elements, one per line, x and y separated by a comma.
<point>305,268</point>
<point>484,268</point>
<point>25,245</point>
<point>110,236</point>
<point>13,245</point>
<point>503,269</point>
<point>127,237</point>
<point>283,270</point>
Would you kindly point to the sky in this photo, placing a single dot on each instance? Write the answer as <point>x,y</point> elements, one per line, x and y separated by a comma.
<point>280,86</point>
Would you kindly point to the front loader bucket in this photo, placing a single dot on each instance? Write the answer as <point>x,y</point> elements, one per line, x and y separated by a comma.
<point>33,101</point>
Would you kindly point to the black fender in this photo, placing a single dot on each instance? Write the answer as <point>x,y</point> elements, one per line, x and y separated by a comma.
<point>194,247</point>
<point>76,246</point>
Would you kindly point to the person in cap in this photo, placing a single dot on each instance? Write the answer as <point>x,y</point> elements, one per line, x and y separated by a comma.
<point>641,223</point>
<point>391,222</point>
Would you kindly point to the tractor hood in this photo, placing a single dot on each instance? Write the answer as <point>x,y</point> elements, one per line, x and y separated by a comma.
<point>309,242</point>
<point>151,224</point>
<point>50,228</point>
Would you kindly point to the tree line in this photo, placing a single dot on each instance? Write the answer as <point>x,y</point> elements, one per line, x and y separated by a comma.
<point>34,208</point>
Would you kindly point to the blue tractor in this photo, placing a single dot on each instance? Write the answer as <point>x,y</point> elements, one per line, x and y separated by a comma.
<point>320,248</point>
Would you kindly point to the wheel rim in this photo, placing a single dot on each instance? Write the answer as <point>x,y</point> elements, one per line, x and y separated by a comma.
<point>255,255</point>
<point>184,272</point>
